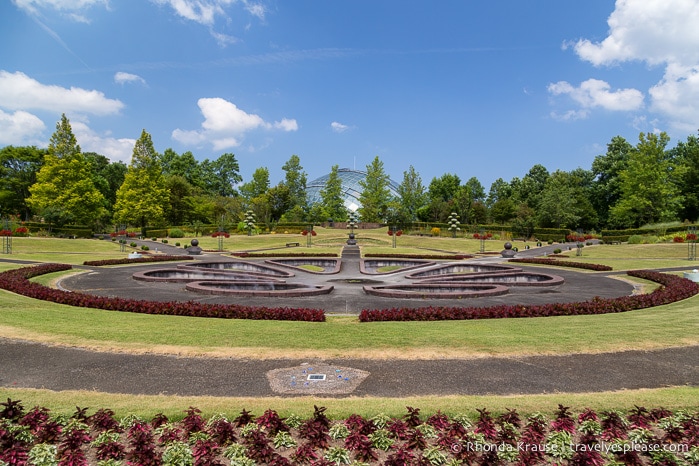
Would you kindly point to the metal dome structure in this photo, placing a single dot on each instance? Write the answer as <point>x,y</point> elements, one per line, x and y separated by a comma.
<point>351,189</point>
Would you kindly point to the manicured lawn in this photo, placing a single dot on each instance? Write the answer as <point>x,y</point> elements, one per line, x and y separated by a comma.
<point>64,251</point>
<point>634,256</point>
<point>670,325</point>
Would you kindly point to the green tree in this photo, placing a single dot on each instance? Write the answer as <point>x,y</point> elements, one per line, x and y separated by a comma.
<point>109,176</point>
<point>280,200</point>
<point>441,193</point>
<point>649,185</point>
<point>18,169</point>
<point>606,187</point>
<point>411,195</point>
<point>499,190</point>
<point>257,186</point>
<point>375,195</point>
<point>180,209</point>
<point>66,181</point>
<point>529,189</point>
<point>295,179</point>
<point>222,175</point>
<point>331,195</point>
<point>558,202</point>
<point>687,154</point>
<point>143,198</point>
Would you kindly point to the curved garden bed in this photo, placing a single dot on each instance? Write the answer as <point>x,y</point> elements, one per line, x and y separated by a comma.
<point>636,437</point>
<point>17,281</point>
<point>673,289</point>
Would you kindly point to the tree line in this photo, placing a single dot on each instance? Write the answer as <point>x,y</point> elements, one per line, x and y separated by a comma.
<point>627,187</point>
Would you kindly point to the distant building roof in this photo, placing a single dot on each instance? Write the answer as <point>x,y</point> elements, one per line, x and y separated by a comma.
<point>351,189</point>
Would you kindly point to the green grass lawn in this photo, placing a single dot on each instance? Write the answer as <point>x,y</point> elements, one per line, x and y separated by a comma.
<point>671,325</point>
<point>634,256</point>
<point>64,251</point>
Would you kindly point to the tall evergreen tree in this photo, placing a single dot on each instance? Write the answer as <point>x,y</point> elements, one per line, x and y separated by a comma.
<point>143,197</point>
<point>331,194</point>
<point>65,186</point>
<point>375,196</point>
<point>295,179</point>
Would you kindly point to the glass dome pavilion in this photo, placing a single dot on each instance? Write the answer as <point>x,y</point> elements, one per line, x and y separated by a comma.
<point>351,189</point>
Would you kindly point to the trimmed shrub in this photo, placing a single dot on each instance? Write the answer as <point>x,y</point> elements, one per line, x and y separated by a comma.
<point>136,261</point>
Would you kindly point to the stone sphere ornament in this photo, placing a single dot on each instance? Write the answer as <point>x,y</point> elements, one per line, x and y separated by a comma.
<point>194,249</point>
<point>508,252</point>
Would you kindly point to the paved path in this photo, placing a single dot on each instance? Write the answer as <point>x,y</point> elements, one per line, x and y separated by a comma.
<point>33,365</point>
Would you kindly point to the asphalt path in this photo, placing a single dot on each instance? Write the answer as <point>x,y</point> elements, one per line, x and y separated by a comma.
<point>33,365</point>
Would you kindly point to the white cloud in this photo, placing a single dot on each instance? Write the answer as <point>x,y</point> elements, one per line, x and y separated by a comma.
<point>256,9</point>
<point>200,11</point>
<point>338,127</point>
<point>225,125</point>
<point>123,78</point>
<point>206,12</point>
<point>70,8</point>
<point>677,96</point>
<point>595,93</point>
<point>286,125</point>
<point>654,31</point>
<point>20,92</point>
<point>658,33</point>
<point>21,128</point>
<point>116,149</point>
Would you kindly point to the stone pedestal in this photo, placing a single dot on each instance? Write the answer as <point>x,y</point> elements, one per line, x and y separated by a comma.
<point>194,249</point>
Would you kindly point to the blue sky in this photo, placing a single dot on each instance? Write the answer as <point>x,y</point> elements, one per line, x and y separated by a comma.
<point>476,88</point>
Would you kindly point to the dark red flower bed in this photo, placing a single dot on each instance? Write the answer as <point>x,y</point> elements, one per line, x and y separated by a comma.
<point>637,437</point>
<point>17,281</point>
<point>674,289</point>
<point>138,260</point>
<point>557,263</point>
<point>422,256</point>
<point>283,254</point>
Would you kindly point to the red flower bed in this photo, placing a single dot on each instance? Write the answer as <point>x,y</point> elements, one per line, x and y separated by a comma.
<point>482,236</point>
<point>17,281</point>
<point>421,256</point>
<point>136,261</point>
<point>674,289</point>
<point>283,254</point>
<point>637,437</point>
<point>576,265</point>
